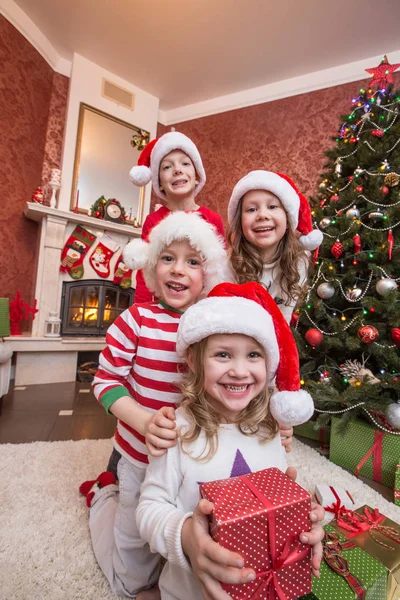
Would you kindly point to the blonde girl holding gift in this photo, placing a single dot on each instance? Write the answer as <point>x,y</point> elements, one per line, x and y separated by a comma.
<point>271,234</point>
<point>236,342</point>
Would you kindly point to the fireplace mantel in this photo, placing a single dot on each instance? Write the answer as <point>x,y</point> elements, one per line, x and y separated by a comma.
<point>36,212</point>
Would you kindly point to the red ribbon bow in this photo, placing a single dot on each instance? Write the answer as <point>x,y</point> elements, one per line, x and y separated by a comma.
<point>370,521</point>
<point>269,579</point>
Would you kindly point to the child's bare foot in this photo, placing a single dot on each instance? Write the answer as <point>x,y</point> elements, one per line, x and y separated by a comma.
<point>151,594</point>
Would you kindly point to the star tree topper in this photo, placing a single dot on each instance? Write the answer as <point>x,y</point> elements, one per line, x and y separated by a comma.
<point>383,73</point>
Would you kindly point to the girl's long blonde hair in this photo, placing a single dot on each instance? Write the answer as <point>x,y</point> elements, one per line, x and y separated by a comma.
<point>247,262</point>
<point>255,419</point>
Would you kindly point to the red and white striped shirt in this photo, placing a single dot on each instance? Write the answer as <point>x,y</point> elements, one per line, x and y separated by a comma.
<point>140,361</point>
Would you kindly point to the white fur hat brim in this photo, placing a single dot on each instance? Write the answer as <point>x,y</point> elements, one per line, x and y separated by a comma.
<point>177,226</point>
<point>270,182</point>
<point>291,407</point>
<point>174,140</point>
<point>229,315</point>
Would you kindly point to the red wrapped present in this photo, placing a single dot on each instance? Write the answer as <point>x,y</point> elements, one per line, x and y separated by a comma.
<point>260,516</point>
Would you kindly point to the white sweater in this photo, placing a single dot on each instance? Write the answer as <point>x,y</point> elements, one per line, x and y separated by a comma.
<point>270,280</point>
<point>170,493</point>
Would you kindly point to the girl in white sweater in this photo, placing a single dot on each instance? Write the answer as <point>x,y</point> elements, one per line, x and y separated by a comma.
<point>270,232</point>
<point>236,343</point>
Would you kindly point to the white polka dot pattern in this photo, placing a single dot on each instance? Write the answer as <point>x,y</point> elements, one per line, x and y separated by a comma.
<point>240,522</point>
<point>370,572</point>
<point>348,450</point>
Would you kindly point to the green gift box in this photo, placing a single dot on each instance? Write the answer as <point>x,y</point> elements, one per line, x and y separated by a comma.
<point>307,430</point>
<point>4,318</point>
<point>363,573</point>
<point>365,451</point>
<point>397,486</point>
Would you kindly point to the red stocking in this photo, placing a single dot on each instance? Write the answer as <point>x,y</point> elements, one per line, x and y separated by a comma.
<point>102,254</point>
<point>75,250</point>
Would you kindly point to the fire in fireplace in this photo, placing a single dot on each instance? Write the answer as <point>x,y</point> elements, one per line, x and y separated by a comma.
<point>89,307</point>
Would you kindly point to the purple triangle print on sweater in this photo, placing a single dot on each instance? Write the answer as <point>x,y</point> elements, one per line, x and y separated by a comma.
<point>240,466</point>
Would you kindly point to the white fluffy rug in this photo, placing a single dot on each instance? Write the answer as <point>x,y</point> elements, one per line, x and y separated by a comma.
<point>45,550</point>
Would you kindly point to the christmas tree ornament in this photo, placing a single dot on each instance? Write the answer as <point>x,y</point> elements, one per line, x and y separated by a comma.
<point>75,249</point>
<point>377,133</point>
<point>368,334</point>
<point>391,179</point>
<point>353,294</point>
<point>357,243</point>
<point>322,203</point>
<point>314,337</point>
<point>325,290</point>
<point>385,286</point>
<point>358,171</point>
<point>322,185</point>
<point>375,215</point>
<point>337,249</point>
<point>334,198</point>
<point>395,334</point>
<point>352,213</point>
<point>102,254</point>
<point>383,73</point>
<point>385,190</point>
<point>37,196</point>
<point>393,415</point>
<point>294,319</point>
<point>325,222</point>
<point>359,189</point>
<point>385,165</point>
<point>355,372</point>
<point>391,243</point>
<point>338,167</point>
<point>315,256</point>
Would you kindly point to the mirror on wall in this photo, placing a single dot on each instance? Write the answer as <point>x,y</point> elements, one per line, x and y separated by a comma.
<point>106,149</point>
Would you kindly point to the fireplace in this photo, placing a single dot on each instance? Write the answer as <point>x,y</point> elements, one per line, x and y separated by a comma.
<point>89,307</point>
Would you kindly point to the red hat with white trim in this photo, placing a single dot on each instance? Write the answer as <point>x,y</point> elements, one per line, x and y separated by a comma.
<point>294,202</point>
<point>250,310</point>
<point>148,166</point>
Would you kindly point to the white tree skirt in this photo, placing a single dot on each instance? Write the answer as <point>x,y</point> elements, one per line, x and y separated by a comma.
<point>45,549</point>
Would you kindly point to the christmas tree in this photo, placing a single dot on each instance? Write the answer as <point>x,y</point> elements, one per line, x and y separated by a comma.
<point>348,327</point>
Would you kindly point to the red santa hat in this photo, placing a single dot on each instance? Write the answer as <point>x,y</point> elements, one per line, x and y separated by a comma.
<point>148,166</point>
<point>177,226</point>
<point>294,203</point>
<point>250,310</point>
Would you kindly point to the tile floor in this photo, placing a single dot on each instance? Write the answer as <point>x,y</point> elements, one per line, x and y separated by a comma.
<point>52,412</point>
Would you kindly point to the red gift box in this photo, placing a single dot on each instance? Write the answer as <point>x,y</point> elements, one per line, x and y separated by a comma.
<point>260,516</point>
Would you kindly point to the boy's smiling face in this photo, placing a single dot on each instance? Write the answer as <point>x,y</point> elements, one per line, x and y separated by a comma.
<point>177,175</point>
<point>179,275</point>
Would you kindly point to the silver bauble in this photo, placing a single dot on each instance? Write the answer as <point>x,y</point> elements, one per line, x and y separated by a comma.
<point>325,291</point>
<point>393,415</point>
<point>375,215</point>
<point>322,185</point>
<point>385,286</point>
<point>325,222</point>
<point>353,293</point>
<point>352,213</point>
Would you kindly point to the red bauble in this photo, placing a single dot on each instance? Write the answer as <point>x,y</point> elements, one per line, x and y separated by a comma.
<point>322,202</point>
<point>359,189</point>
<point>368,334</point>
<point>385,190</point>
<point>396,336</point>
<point>377,133</point>
<point>314,337</point>
<point>334,198</point>
<point>294,319</point>
<point>337,249</point>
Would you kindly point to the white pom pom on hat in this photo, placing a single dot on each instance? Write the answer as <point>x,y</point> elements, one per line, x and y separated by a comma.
<point>295,203</point>
<point>148,166</point>
<point>179,225</point>
<point>250,310</point>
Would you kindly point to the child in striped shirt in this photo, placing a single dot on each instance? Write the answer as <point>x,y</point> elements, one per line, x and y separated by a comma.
<point>137,376</point>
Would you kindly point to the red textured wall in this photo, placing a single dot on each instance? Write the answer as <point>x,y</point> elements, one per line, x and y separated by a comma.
<point>30,91</point>
<point>288,135</point>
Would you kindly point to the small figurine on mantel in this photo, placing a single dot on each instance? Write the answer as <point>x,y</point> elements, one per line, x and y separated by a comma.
<point>37,196</point>
<point>55,184</point>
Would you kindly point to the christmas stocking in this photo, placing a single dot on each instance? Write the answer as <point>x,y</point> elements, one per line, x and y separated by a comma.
<point>102,254</point>
<point>122,275</point>
<point>74,251</point>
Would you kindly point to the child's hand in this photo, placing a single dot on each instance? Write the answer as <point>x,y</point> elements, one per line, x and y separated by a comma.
<point>315,536</point>
<point>161,431</point>
<point>286,432</point>
<point>211,563</point>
